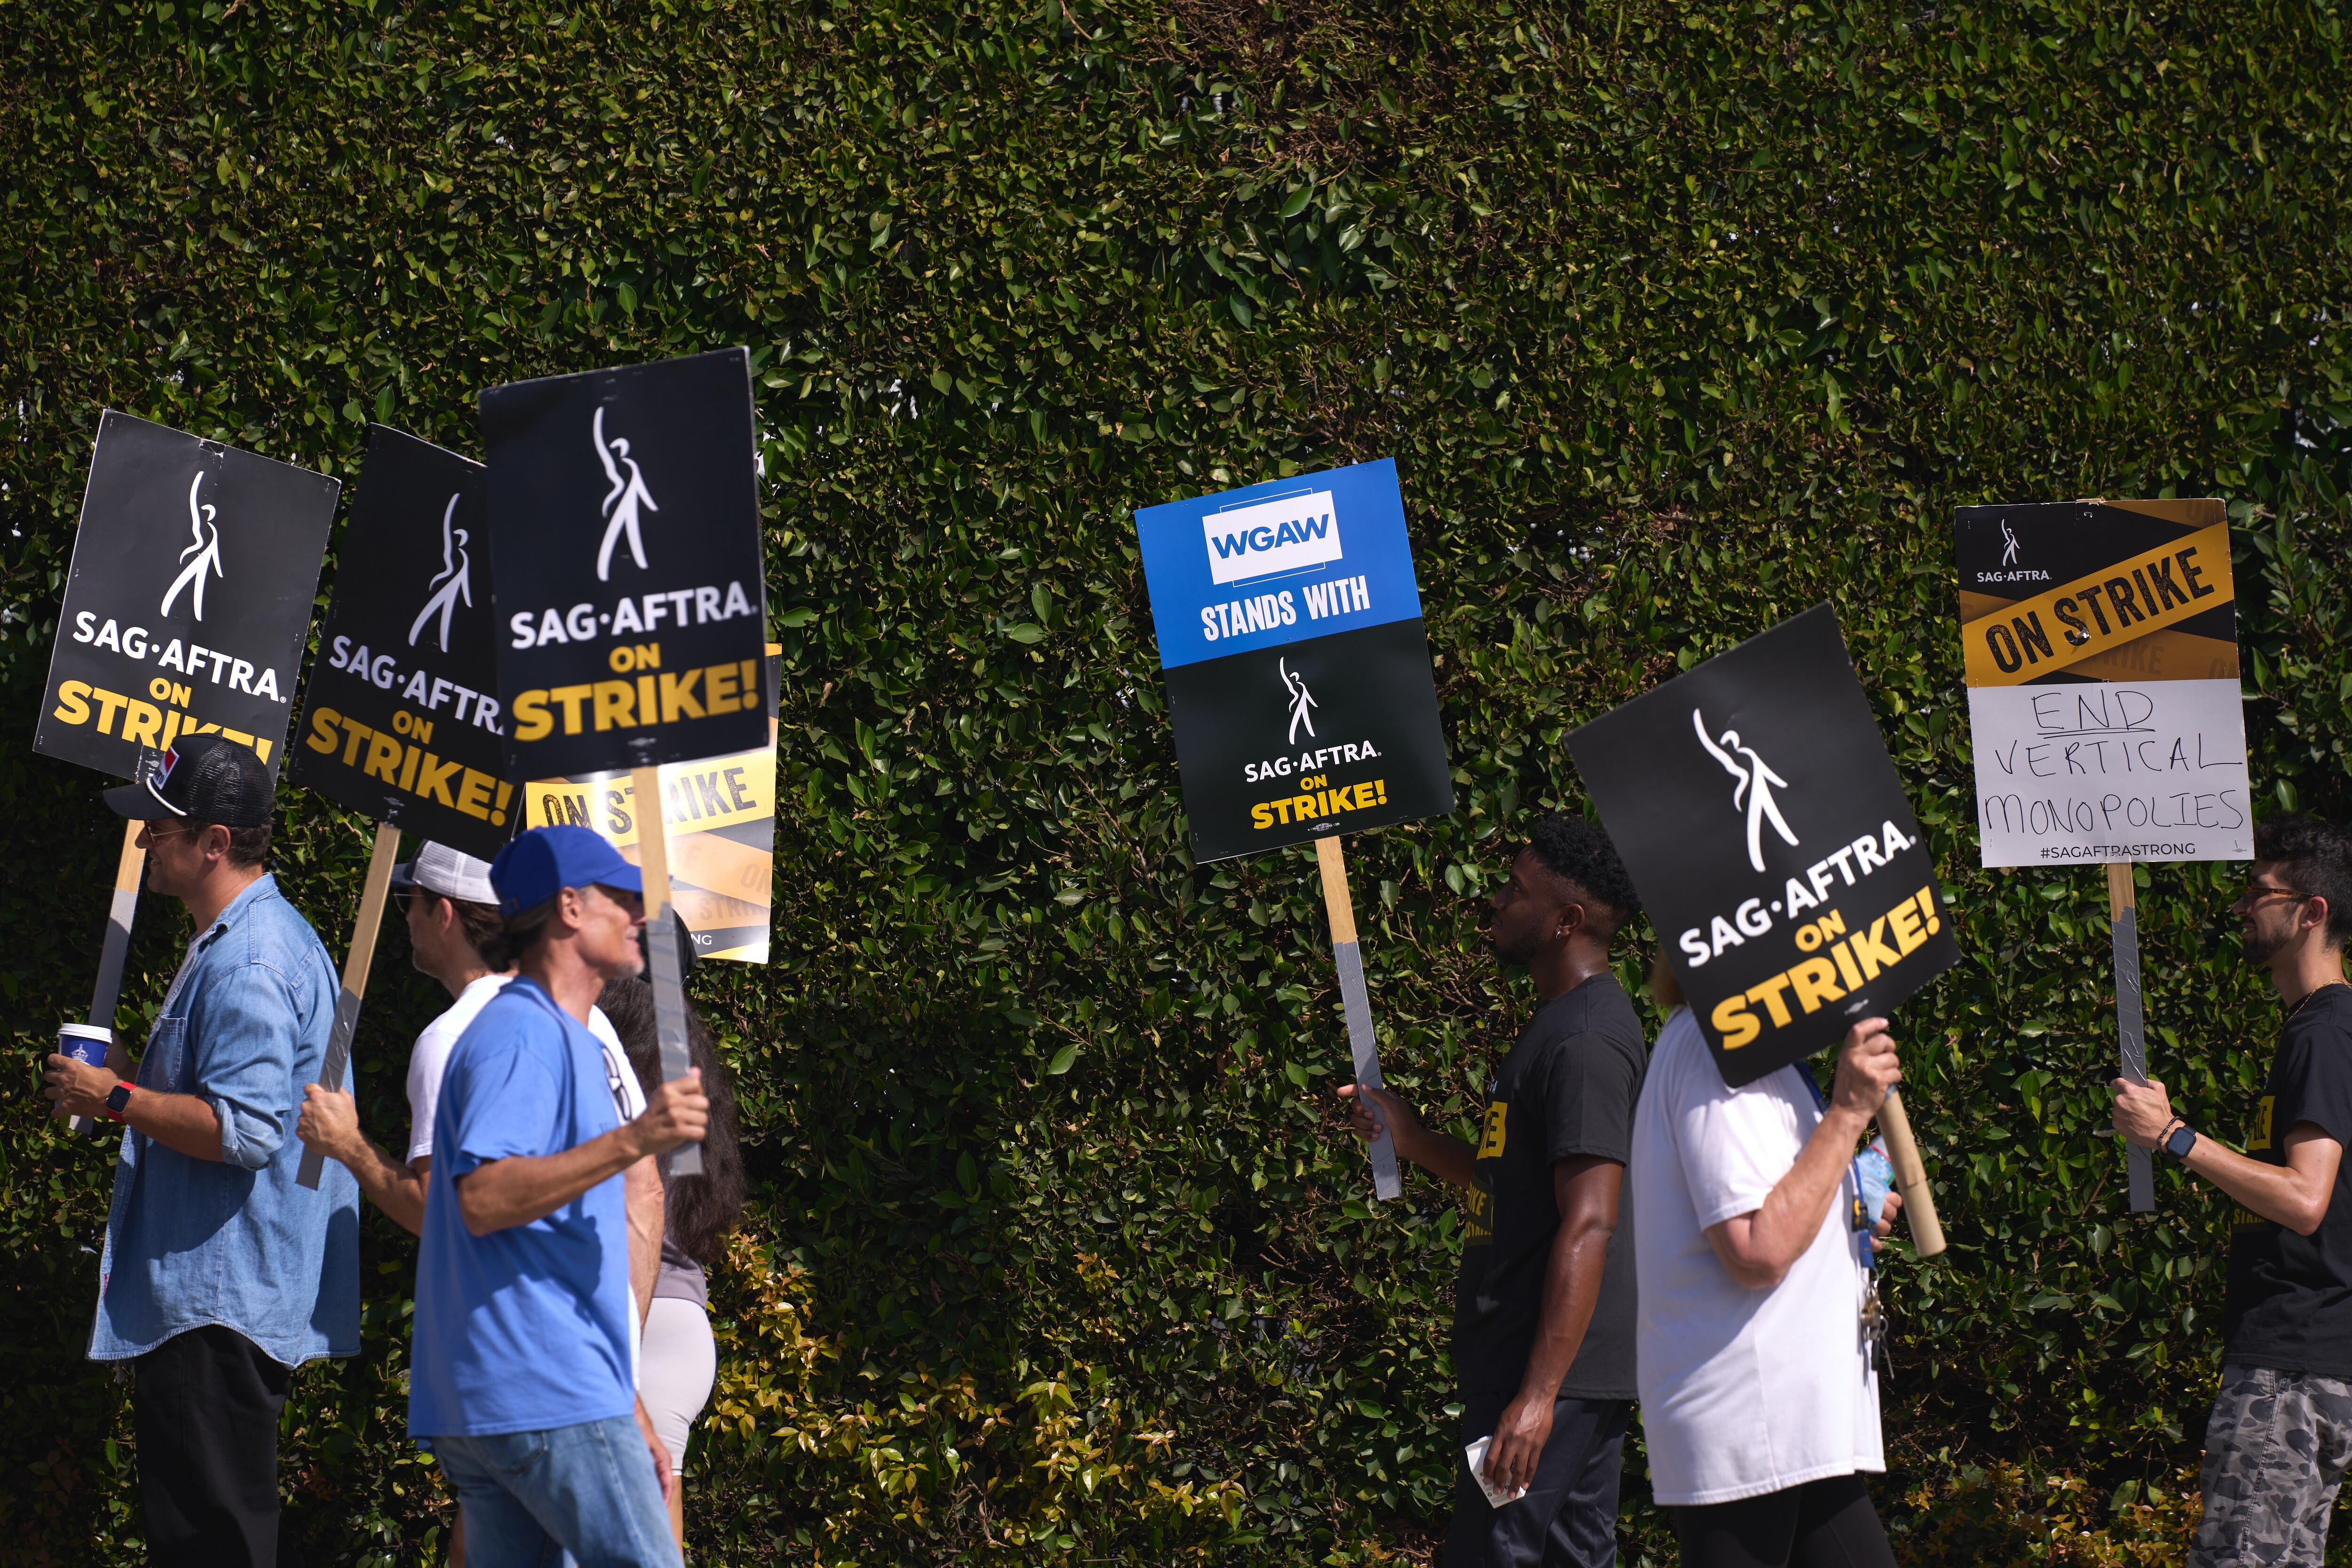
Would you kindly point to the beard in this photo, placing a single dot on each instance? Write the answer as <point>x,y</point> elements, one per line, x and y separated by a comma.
<point>1518,954</point>
<point>2261,944</point>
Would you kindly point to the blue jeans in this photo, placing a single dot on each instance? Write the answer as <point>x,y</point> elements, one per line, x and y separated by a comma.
<point>584,1495</point>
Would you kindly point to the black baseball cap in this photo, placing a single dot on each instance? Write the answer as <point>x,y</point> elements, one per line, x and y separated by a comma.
<point>210,778</point>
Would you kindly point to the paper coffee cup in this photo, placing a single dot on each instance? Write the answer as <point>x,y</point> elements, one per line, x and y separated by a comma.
<point>86,1044</point>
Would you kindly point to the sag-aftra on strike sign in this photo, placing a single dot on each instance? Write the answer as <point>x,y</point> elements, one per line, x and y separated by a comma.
<point>193,571</point>
<point>1754,805</point>
<point>624,524</point>
<point>1298,676</point>
<point>401,720</point>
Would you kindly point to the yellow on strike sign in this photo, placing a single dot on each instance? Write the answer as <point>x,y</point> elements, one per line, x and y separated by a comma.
<point>2137,595</point>
<point>721,815</point>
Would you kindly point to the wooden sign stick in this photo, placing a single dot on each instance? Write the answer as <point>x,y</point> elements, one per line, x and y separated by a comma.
<point>2123,918</point>
<point>1348,959</point>
<point>107,992</point>
<point>661,952</point>
<point>1910,1177</point>
<point>356,963</point>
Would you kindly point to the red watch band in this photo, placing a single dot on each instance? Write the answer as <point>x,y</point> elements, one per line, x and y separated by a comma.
<point>113,1112</point>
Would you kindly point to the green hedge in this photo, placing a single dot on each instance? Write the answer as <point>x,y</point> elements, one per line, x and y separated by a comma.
<point>1676,318</point>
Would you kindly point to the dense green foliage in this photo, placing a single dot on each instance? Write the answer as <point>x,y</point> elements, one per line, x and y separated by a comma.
<point>1676,317</point>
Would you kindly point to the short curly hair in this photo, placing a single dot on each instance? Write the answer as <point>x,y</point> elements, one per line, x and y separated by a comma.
<point>2313,857</point>
<point>1578,852</point>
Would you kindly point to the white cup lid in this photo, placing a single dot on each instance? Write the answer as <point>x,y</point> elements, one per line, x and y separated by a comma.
<point>85,1032</point>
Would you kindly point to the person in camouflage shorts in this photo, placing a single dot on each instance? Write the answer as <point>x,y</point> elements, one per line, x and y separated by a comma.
<point>2280,1432</point>
<point>2276,1450</point>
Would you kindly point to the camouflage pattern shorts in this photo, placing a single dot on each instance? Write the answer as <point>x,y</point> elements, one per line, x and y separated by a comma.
<point>2275,1451</point>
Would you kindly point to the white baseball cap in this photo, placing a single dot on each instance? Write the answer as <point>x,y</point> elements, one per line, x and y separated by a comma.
<point>438,868</point>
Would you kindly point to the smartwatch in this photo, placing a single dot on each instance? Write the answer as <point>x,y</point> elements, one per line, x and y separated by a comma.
<point>118,1099</point>
<point>2181,1141</point>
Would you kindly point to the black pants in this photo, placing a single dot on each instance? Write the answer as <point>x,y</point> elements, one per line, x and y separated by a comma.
<point>1823,1524</point>
<point>204,1406</point>
<point>1569,1517</point>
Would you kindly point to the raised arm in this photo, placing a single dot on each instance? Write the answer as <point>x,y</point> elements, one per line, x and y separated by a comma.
<point>1756,1248</point>
<point>521,1188</point>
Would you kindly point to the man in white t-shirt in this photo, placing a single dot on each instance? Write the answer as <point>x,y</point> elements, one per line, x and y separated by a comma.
<point>456,936</point>
<point>1758,1399</point>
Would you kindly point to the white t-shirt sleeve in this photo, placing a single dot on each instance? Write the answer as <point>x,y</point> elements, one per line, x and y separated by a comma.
<point>427,1063</point>
<point>628,1092</point>
<point>1734,1145</point>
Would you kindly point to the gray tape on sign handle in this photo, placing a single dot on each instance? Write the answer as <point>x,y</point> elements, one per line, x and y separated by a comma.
<point>1360,1044</point>
<point>2131,1042</point>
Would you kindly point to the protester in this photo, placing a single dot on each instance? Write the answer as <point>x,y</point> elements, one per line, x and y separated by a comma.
<point>455,935</point>
<point>221,1273</point>
<point>1543,1318</point>
<point>680,1360</point>
<point>522,1373</point>
<point>2280,1435</point>
<point>1759,1395</point>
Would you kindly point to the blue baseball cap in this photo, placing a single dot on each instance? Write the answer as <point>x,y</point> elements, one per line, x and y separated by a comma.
<point>540,864</point>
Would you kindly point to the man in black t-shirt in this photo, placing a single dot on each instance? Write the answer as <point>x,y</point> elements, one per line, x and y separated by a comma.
<point>1543,1318</point>
<point>2280,1432</point>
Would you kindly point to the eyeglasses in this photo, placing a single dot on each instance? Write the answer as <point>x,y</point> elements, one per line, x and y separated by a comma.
<point>2255,893</point>
<point>157,832</point>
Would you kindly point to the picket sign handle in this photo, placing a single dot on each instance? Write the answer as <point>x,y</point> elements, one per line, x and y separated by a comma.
<point>107,992</point>
<point>661,953</point>
<point>2131,1038</point>
<point>1349,960</point>
<point>356,963</point>
<point>1910,1177</point>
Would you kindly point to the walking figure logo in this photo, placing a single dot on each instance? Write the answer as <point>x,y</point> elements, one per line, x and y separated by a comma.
<point>2009,556</point>
<point>1754,793</point>
<point>621,501</point>
<point>200,559</point>
<point>1301,699</point>
<point>453,579</point>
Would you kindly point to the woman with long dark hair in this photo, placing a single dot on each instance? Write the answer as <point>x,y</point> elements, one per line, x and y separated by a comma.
<point>679,1359</point>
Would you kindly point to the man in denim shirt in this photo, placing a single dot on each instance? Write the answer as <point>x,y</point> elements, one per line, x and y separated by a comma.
<point>221,1274</point>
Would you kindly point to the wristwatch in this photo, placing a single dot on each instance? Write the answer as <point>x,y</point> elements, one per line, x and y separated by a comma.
<point>118,1099</point>
<point>2180,1141</point>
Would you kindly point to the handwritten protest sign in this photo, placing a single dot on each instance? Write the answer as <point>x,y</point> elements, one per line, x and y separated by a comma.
<point>2100,640</point>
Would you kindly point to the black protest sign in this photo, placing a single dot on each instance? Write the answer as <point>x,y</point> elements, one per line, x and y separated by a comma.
<point>625,525</point>
<point>1298,675</point>
<point>1776,854</point>
<point>401,719</point>
<point>189,600</point>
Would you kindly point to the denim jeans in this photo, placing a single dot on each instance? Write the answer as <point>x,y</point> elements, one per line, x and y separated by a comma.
<point>584,1495</point>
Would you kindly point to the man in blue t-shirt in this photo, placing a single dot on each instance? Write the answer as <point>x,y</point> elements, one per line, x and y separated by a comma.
<point>524,1380</point>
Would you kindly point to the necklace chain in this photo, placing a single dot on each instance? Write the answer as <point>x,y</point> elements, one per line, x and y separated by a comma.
<point>2307,996</point>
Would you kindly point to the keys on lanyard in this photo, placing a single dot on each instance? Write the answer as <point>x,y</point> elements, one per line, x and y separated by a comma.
<point>1872,1327</point>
